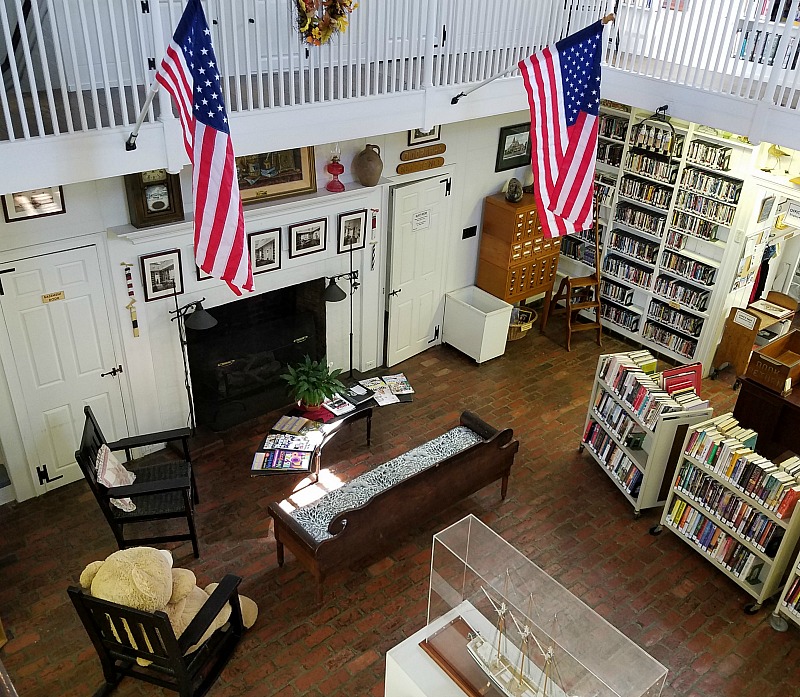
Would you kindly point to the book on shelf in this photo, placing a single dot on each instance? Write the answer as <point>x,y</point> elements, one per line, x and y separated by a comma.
<point>770,309</point>
<point>277,461</point>
<point>338,405</point>
<point>672,378</point>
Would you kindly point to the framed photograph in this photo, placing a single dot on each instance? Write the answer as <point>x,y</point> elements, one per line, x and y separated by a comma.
<point>418,136</point>
<point>35,203</point>
<point>265,250</point>
<point>766,208</point>
<point>307,238</point>
<point>352,233</point>
<point>161,274</point>
<point>273,175</point>
<point>201,275</point>
<point>514,147</point>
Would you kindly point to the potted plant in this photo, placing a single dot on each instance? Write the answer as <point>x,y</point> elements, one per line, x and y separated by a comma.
<point>311,382</point>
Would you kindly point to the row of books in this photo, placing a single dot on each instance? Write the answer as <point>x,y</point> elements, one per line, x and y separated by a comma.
<point>646,192</point>
<point>709,155</point>
<point>688,268</point>
<point>719,212</point>
<point>750,522</point>
<point>711,185</point>
<point>612,127</point>
<point>613,458</point>
<point>620,316</point>
<point>665,172</point>
<point>615,291</point>
<point>641,249</point>
<point>660,140</point>
<point>609,153</point>
<point>627,271</point>
<point>692,225</point>
<point>726,449</point>
<point>615,418</point>
<point>673,289</point>
<point>716,542</point>
<point>681,321</point>
<point>669,339</point>
<point>792,598</point>
<point>645,220</point>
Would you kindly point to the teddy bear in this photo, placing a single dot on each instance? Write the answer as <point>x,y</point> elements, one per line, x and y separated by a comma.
<point>143,578</point>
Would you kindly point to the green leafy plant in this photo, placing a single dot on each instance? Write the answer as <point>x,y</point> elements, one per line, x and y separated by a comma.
<point>310,382</point>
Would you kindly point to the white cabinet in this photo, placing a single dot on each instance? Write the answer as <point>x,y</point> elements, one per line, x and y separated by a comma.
<point>476,323</point>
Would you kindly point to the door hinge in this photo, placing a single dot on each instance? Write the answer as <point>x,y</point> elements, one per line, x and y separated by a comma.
<point>151,63</point>
<point>44,477</point>
<point>1,280</point>
<point>444,34</point>
<point>435,334</point>
<point>145,7</point>
<point>447,182</point>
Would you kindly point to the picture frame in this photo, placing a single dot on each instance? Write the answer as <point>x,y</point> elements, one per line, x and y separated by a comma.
<point>766,208</point>
<point>201,275</point>
<point>513,147</point>
<point>418,135</point>
<point>308,237</point>
<point>33,203</point>
<point>352,231</point>
<point>162,274</point>
<point>271,175</point>
<point>265,250</point>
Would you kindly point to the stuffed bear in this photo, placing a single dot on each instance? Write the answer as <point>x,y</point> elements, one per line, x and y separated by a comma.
<point>143,578</point>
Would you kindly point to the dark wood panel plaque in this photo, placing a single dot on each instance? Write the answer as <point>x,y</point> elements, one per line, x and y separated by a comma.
<point>448,647</point>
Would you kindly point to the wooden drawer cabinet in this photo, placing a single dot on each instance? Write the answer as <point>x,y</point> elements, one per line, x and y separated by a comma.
<point>516,261</point>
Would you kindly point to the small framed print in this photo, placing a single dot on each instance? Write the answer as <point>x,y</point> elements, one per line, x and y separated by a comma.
<point>272,175</point>
<point>34,203</point>
<point>419,135</point>
<point>352,233</point>
<point>162,275</point>
<point>201,275</point>
<point>307,238</point>
<point>265,250</point>
<point>766,208</point>
<point>514,147</point>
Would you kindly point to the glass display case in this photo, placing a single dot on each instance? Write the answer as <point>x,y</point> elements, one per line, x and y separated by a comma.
<point>499,625</point>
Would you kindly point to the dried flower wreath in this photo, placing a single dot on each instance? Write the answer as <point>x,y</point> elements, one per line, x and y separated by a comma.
<point>319,20</point>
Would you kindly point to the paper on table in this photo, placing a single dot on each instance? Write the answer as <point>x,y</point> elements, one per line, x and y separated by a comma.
<point>383,394</point>
<point>398,384</point>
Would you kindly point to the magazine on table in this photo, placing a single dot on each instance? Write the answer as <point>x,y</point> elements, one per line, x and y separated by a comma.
<point>288,441</point>
<point>357,394</point>
<point>275,461</point>
<point>398,384</point>
<point>338,405</point>
<point>383,394</point>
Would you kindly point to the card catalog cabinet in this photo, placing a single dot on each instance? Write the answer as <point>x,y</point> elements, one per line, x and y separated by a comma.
<point>516,261</point>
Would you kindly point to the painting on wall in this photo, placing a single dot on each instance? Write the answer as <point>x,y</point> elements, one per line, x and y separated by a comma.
<point>272,175</point>
<point>352,231</point>
<point>265,250</point>
<point>514,147</point>
<point>308,237</point>
<point>161,274</point>
<point>34,203</point>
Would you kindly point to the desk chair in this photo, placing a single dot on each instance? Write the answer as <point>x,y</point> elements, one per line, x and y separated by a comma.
<point>161,491</point>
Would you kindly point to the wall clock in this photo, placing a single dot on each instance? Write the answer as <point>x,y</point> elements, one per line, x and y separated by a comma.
<point>154,197</point>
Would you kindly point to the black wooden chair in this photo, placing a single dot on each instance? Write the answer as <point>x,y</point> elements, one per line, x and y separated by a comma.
<point>161,491</point>
<point>121,635</point>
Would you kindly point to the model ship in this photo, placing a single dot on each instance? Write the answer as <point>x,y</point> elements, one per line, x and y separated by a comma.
<point>515,674</point>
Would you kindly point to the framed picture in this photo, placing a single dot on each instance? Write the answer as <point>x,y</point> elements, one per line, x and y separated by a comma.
<point>514,147</point>
<point>766,208</point>
<point>265,250</point>
<point>307,238</point>
<point>162,274</point>
<point>273,175</point>
<point>201,275</point>
<point>35,203</point>
<point>418,136</point>
<point>352,231</point>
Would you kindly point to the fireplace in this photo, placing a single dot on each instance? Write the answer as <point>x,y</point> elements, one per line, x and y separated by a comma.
<point>236,366</point>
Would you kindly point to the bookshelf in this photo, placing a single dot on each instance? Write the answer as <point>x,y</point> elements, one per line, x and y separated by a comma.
<point>630,430</point>
<point>734,507</point>
<point>789,602</point>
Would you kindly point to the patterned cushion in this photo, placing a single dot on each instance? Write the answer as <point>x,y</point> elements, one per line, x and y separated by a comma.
<point>316,516</point>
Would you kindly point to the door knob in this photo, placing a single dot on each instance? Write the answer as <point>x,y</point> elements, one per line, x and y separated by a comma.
<point>112,372</point>
<point>395,292</point>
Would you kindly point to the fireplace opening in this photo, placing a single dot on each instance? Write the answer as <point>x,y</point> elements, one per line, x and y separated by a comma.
<point>236,365</point>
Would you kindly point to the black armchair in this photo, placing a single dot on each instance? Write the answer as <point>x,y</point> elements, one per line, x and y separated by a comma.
<point>121,635</point>
<point>161,490</point>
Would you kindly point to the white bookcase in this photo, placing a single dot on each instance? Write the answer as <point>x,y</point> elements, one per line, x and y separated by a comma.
<point>715,514</point>
<point>789,602</point>
<point>638,472</point>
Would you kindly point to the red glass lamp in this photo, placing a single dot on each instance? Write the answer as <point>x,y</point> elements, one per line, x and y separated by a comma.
<point>335,169</point>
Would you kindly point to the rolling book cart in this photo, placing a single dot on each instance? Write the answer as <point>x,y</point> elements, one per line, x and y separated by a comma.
<point>630,433</point>
<point>736,509</point>
<point>789,603</point>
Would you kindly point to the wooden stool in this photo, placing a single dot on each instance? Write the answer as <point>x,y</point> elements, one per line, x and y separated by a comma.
<point>581,293</point>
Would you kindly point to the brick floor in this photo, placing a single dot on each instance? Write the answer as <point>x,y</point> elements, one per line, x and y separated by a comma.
<point>562,512</point>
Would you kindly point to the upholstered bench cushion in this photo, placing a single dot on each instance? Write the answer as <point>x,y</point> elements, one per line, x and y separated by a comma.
<point>316,516</point>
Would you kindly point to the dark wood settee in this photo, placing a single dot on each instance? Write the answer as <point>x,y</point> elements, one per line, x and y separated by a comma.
<point>369,512</point>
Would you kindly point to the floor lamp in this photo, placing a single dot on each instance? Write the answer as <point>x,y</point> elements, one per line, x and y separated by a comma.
<point>190,316</point>
<point>334,294</point>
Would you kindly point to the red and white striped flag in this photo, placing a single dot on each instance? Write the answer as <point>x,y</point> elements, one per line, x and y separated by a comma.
<point>563,85</point>
<point>189,73</point>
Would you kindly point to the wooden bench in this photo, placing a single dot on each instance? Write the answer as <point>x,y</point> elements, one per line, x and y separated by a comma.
<point>369,512</point>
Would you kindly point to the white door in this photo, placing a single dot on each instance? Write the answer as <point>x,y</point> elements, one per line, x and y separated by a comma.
<point>55,339</point>
<point>416,266</point>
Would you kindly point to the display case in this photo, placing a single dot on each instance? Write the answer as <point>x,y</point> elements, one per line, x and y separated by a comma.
<point>499,625</point>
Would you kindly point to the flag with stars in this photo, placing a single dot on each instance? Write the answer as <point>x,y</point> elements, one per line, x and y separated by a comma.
<point>563,85</point>
<point>189,73</point>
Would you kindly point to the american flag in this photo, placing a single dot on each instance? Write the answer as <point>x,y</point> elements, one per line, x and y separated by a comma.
<point>189,73</point>
<point>563,85</point>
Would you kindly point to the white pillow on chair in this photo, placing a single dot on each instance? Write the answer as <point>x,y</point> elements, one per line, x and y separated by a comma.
<point>111,473</point>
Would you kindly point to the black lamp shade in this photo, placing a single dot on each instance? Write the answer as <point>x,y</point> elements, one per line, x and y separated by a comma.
<point>199,319</point>
<point>333,294</point>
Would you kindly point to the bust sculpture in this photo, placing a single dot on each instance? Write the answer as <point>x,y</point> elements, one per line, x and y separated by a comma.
<point>514,190</point>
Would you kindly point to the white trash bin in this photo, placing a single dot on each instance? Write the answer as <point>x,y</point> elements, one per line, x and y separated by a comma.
<point>476,323</point>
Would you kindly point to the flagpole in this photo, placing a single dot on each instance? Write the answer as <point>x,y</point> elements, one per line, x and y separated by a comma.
<point>130,144</point>
<point>608,18</point>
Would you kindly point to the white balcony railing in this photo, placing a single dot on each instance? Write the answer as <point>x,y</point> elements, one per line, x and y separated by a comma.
<point>82,65</point>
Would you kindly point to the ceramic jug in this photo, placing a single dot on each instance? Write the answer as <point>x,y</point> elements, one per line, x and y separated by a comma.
<point>367,165</point>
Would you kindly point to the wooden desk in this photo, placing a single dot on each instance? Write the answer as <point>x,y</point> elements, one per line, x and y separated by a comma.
<point>776,419</point>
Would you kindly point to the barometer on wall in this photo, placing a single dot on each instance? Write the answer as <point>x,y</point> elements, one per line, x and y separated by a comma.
<point>154,197</point>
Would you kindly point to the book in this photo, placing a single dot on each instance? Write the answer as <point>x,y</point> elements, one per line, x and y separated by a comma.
<point>288,441</point>
<point>398,384</point>
<point>357,394</point>
<point>338,405</point>
<point>383,394</point>
<point>275,461</point>
<point>291,424</point>
<point>770,309</point>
